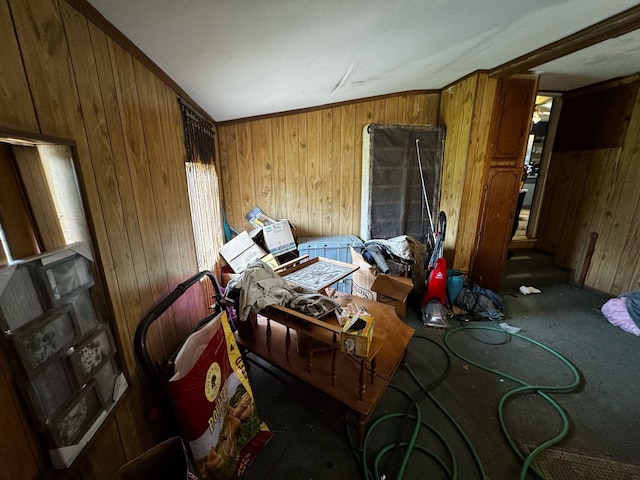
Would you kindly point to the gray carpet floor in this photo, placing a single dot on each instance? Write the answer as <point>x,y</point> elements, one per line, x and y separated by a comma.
<point>310,442</point>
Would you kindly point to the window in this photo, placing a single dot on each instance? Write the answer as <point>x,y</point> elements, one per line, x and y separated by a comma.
<point>203,184</point>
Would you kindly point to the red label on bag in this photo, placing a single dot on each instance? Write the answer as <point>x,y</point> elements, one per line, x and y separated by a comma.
<point>215,407</point>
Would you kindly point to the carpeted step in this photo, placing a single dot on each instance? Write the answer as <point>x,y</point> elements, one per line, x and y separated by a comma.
<point>535,278</point>
<point>528,260</point>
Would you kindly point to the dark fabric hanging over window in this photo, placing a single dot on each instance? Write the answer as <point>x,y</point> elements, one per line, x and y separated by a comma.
<point>198,136</point>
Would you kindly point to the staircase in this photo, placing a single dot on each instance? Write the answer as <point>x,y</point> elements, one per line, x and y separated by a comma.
<point>532,269</point>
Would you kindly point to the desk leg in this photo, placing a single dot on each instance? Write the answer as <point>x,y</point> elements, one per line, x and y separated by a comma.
<point>363,384</point>
<point>246,328</point>
<point>374,369</point>
<point>334,356</point>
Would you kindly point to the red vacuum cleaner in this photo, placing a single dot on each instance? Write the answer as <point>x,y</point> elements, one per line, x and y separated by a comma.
<point>433,301</point>
<point>437,281</point>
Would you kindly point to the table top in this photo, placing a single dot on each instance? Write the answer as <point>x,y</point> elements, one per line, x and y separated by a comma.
<point>388,327</point>
<point>391,337</point>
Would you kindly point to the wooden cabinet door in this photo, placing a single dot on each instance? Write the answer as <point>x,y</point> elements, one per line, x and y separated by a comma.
<point>510,127</point>
<point>496,224</point>
<point>512,121</point>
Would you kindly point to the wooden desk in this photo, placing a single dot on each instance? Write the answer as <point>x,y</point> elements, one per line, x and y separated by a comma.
<point>308,349</point>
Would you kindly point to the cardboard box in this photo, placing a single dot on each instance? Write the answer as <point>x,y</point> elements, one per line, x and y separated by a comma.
<point>240,252</point>
<point>278,237</point>
<point>393,291</point>
<point>357,342</point>
<point>388,289</point>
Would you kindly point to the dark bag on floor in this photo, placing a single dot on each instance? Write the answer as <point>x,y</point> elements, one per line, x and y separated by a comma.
<point>167,460</point>
<point>480,301</point>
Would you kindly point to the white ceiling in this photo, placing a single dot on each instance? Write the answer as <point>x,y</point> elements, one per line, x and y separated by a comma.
<point>241,58</point>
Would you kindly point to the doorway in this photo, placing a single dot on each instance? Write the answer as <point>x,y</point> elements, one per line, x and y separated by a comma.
<point>539,145</point>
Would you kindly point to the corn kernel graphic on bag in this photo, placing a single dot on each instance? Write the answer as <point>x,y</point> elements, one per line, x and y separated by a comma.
<point>214,403</point>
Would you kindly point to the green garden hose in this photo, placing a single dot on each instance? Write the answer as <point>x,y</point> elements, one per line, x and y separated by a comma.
<point>525,387</point>
<point>413,414</point>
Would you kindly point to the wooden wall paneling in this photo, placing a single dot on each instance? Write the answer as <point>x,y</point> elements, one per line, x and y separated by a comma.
<point>222,164</point>
<point>391,111</point>
<point>624,208</point>
<point>416,109</point>
<point>46,58</point>
<point>621,206</point>
<point>431,109</point>
<point>623,281</point>
<point>329,173</point>
<point>602,215</point>
<point>167,201</point>
<point>562,197</point>
<point>363,116</point>
<point>315,180</point>
<point>301,197</point>
<point>280,170</point>
<point>570,225</point>
<point>20,451</point>
<point>596,201</point>
<point>334,168</point>
<point>45,51</point>
<point>107,439</point>
<point>476,166</point>
<point>149,267</point>
<point>240,178</point>
<point>613,232</point>
<point>316,155</point>
<point>351,174</point>
<point>56,99</point>
<point>115,190</point>
<point>380,111</point>
<point>456,112</point>
<point>90,58</point>
<point>247,168</point>
<point>15,217</point>
<point>296,170</point>
<point>226,178</point>
<point>546,208</point>
<point>16,105</point>
<point>578,244</point>
<point>101,173</point>
<point>626,218</point>
<point>173,136</point>
<point>39,197</point>
<point>403,114</point>
<point>627,277</point>
<point>262,145</point>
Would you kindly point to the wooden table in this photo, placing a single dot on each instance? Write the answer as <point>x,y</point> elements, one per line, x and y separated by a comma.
<point>308,349</point>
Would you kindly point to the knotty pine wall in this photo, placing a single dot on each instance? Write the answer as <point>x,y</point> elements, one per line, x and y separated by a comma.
<point>307,166</point>
<point>62,76</point>
<point>593,193</point>
<point>465,111</point>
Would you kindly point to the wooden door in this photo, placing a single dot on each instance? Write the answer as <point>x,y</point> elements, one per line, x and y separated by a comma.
<point>493,243</point>
<point>510,127</point>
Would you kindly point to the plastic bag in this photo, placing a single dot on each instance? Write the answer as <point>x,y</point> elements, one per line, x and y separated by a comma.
<point>214,403</point>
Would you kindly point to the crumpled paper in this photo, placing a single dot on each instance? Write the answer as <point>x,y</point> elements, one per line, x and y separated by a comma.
<point>528,290</point>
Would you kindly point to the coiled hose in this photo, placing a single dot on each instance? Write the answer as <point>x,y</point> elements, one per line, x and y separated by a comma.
<point>413,414</point>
